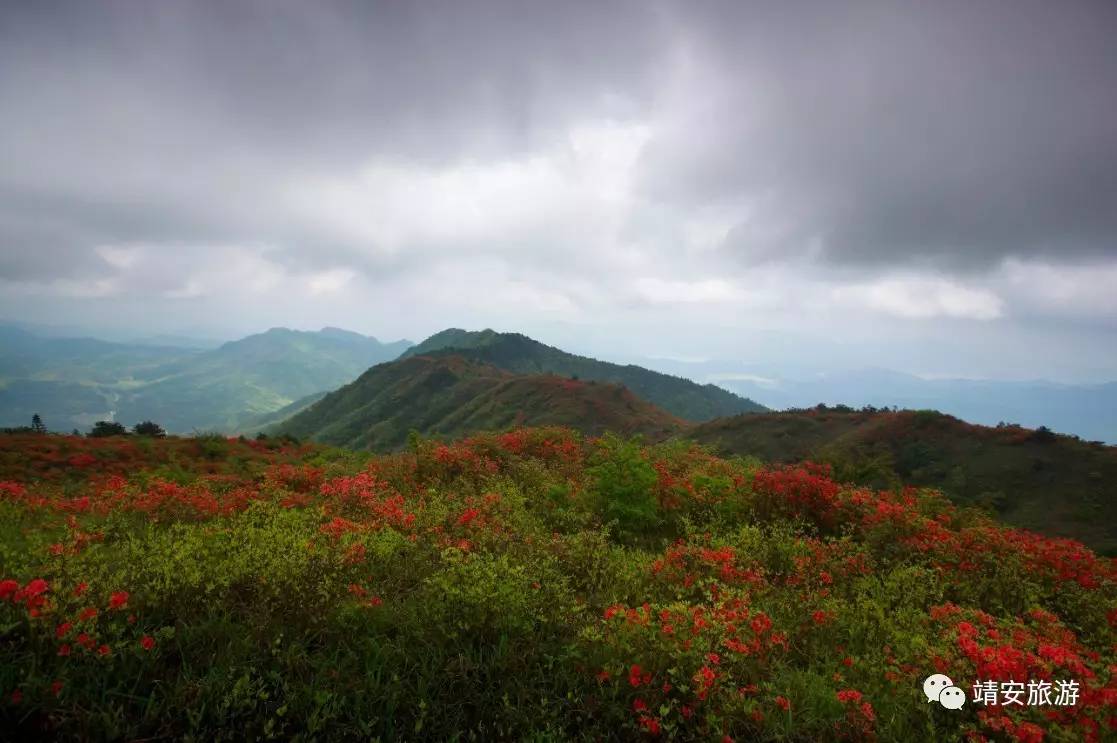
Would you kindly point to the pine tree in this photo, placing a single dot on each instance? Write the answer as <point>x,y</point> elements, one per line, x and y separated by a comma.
<point>37,424</point>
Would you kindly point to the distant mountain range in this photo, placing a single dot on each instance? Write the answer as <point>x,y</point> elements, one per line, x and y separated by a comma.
<point>522,355</point>
<point>72,382</point>
<point>1058,485</point>
<point>459,382</point>
<point>449,395</point>
<point>1086,410</point>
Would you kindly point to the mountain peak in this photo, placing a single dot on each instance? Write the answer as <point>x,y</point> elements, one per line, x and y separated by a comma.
<point>520,354</point>
<point>341,333</point>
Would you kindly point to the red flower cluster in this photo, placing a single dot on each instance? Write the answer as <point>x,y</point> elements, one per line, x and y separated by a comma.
<point>32,596</point>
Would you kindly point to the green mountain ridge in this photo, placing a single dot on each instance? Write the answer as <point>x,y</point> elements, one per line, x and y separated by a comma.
<point>451,395</point>
<point>1053,484</point>
<point>520,354</point>
<point>72,382</point>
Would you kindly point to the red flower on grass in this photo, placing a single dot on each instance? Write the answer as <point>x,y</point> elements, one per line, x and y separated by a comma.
<point>118,600</point>
<point>783,703</point>
<point>147,642</point>
<point>638,676</point>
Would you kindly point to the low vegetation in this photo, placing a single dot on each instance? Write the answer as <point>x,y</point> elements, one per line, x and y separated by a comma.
<point>1058,485</point>
<point>519,354</point>
<point>533,584</point>
<point>452,396</point>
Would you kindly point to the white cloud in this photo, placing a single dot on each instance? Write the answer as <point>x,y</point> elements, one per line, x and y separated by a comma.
<point>666,291</point>
<point>328,282</point>
<point>921,298</point>
<point>1085,290</point>
<point>570,197</point>
<point>117,256</point>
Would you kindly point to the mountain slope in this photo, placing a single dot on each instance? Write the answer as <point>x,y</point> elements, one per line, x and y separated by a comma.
<point>1054,484</point>
<point>518,353</point>
<point>451,395</point>
<point>26,356</point>
<point>252,376</point>
<point>73,382</point>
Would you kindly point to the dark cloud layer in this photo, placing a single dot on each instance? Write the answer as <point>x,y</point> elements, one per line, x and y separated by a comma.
<point>948,132</point>
<point>917,159</point>
<point>953,133</point>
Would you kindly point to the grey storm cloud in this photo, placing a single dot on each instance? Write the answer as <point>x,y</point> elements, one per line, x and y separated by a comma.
<point>947,133</point>
<point>171,122</point>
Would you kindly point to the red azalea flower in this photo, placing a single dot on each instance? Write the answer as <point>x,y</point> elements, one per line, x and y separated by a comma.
<point>640,706</point>
<point>64,650</point>
<point>36,587</point>
<point>103,650</point>
<point>81,588</point>
<point>118,599</point>
<point>8,588</point>
<point>56,688</point>
<point>87,613</point>
<point>783,703</point>
<point>147,642</point>
<point>634,674</point>
<point>63,629</point>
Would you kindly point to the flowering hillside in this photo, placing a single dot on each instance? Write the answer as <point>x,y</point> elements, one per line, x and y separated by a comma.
<point>530,584</point>
<point>1035,479</point>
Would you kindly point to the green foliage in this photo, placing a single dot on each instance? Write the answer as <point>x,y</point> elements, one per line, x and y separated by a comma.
<point>452,396</point>
<point>1053,484</point>
<point>531,585</point>
<point>522,355</point>
<point>149,428</point>
<point>621,481</point>
<point>107,428</point>
<point>213,445</point>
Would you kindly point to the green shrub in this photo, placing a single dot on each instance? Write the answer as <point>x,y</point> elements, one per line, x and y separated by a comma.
<point>621,480</point>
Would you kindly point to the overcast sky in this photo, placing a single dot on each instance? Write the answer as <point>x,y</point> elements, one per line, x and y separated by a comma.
<point>925,186</point>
